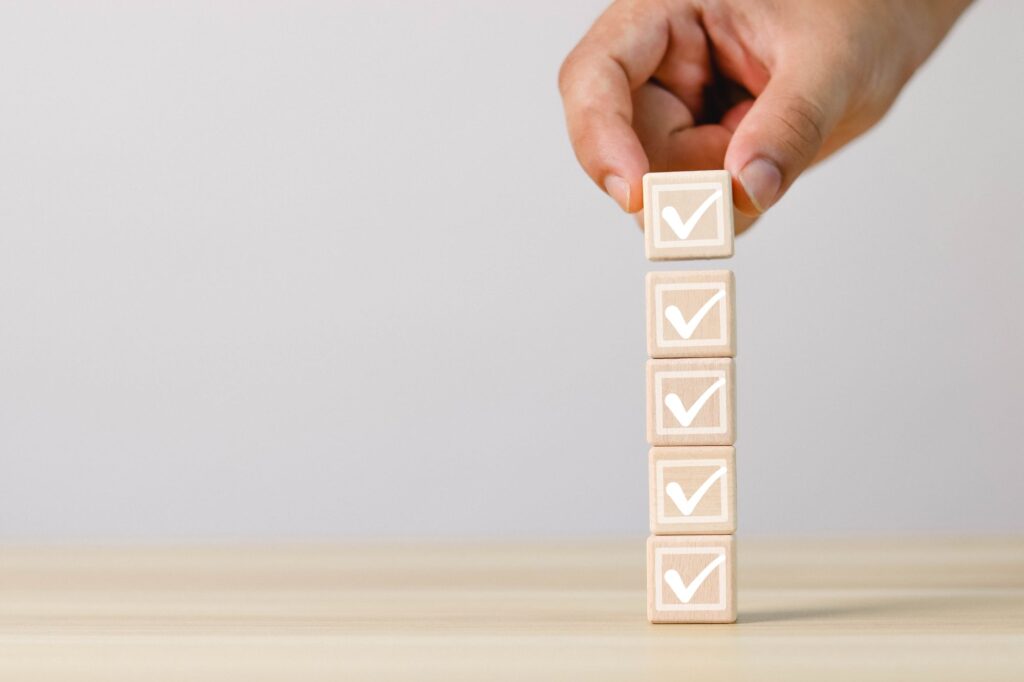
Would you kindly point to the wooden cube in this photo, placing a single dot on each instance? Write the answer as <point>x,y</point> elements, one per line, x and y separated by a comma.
<point>693,490</point>
<point>691,314</point>
<point>691,579</point>
<point>688,215</point>
<point>691,402</point>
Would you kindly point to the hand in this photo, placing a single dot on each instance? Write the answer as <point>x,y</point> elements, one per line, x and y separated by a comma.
<point>762,89</point>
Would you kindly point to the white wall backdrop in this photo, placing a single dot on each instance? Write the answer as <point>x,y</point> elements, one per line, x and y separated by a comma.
<point>319,270</point>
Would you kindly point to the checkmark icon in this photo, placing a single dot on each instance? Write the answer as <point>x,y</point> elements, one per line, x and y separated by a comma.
<point>687,505</point>
<point>685,327</point>
<point>686,416</point>
<point>685,592</point>
<point>681,227</point>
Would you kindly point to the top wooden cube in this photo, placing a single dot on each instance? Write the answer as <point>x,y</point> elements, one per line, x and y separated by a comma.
<point>688,215</point>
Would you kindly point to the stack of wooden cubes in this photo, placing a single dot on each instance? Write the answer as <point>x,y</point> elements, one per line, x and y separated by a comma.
<point>691,400</point>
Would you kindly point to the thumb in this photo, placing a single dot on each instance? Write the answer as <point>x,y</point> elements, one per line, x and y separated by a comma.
<point>779,137</point>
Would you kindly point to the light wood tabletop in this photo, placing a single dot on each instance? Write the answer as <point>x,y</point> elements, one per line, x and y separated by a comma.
<point>933,609</point>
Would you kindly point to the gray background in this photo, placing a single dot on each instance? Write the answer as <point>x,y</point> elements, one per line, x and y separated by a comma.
<point>328,270</point>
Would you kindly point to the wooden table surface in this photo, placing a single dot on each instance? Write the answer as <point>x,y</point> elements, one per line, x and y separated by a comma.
<point>861,610</point>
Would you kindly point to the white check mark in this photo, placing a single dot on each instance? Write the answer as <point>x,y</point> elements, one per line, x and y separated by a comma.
<point>686,506</point>
<point>686,416</point>
<point>684,327</point>
<point>685,592</point>
<point>683,228</point>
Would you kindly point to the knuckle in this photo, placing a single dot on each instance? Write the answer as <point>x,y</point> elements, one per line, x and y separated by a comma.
<point>805,121</point>
<point>566,72</point>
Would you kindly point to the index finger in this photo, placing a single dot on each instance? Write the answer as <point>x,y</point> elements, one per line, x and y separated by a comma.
<point>620,53</point>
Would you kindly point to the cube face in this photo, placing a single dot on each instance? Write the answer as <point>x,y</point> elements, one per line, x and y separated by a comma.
<point>691,314</point>
<point>688,215</point>
<point>691,579</point>
<point>693,490</point>
<point>691,402</point>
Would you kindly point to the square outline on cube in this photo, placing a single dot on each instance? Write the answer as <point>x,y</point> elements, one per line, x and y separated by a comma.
<point>686,243</point>
<point>659,574</point>
<point>659,320</point>
<point>659,405</point>
<point>659,482</point>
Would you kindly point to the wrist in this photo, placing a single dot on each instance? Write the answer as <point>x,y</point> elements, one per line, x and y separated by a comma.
<point>928,22</point>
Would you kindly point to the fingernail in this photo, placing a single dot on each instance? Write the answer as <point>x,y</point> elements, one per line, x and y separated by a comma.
<point>761,180</point>
<point>617,189</point>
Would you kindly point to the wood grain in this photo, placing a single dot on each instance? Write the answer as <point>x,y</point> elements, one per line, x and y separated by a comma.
<point>688,297</point>
<point>692,384</point>
<point>704,570</point>
<point>700,204</point>
<point>899,609</point>
<point>705,477</point>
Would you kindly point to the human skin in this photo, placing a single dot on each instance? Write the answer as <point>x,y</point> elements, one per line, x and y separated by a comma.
<point>761,88</point>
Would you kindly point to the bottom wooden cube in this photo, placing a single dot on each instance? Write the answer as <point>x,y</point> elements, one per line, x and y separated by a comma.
<point>691,579</point>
